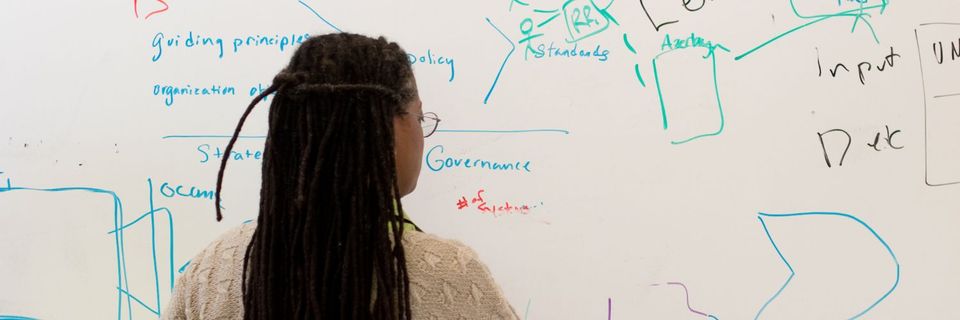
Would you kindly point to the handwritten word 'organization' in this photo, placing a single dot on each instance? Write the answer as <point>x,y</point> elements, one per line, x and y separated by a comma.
<point>169,92</point>
<point>217,45</point>
<point>436,162</point>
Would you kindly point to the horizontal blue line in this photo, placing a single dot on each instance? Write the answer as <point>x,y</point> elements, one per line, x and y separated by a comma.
<point>213,136</point>
<point>506,131</point>
<point>5,317</point>
<point>187,136</point>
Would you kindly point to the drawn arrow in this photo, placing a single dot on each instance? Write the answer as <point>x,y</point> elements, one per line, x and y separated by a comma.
<point>893,256</point>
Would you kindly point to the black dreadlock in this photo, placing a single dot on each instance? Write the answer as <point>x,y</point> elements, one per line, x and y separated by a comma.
<point>329,200</point>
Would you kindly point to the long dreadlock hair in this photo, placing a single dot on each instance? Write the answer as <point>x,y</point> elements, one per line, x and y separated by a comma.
<point>327,242</point>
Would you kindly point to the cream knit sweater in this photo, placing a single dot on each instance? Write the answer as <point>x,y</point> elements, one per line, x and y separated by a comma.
<point>447,281</point>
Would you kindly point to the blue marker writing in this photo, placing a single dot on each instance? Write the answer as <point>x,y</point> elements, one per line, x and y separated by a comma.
<point>437,162</point>
<point>431,59</point>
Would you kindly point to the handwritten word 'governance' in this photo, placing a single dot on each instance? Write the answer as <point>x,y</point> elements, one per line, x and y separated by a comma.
<point>436,162</point>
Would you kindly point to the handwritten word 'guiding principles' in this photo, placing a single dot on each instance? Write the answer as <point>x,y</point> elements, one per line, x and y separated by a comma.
<point>217,44</point>
<point>430,59</point>
<point>436,162</point>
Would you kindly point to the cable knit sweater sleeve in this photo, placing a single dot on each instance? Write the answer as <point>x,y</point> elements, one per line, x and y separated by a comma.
<point>447,281</point>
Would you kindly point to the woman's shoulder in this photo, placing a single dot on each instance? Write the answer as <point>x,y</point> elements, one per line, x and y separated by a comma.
<point>448,281</point>
<point>210,286</point>
<point>419,243</point>
<point>228,248</point>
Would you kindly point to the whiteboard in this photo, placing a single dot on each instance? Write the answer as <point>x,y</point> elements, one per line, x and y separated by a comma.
<point>790,159</point>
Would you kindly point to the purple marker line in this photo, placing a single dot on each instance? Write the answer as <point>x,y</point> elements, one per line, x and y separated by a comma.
<point>609,308</point>
<point>687,294</point>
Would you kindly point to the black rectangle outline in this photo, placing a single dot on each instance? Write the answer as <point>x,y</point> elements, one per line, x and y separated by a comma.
<point>923,83</point>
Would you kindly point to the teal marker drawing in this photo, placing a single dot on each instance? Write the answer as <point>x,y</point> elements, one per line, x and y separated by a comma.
<point>858,14</point>
<point>636,66</point>
<point>670,46</point>
<point>118,233</point>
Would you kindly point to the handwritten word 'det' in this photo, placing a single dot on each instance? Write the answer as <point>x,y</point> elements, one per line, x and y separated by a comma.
<point>881,141</point>
<point>430,59</point>
<point>436,162</point>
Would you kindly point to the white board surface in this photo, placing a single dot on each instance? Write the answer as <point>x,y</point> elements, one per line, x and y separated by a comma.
<point>705,159</point>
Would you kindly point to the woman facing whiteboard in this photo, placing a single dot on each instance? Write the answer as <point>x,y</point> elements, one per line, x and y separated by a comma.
<point>345,140</point>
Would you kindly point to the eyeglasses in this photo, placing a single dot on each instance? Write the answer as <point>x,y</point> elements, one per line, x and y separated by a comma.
<point>429,123</point>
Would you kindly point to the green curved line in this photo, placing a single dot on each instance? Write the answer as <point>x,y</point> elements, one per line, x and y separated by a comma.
<point>604,13</point>
<point>872,31</point>
<point>545,22</point>
<point>716,88</point>
<point>627,43</point>
<point>663,109</point>
<point>636,70</point>
<point>819,18</point>
<point>882,6</point>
